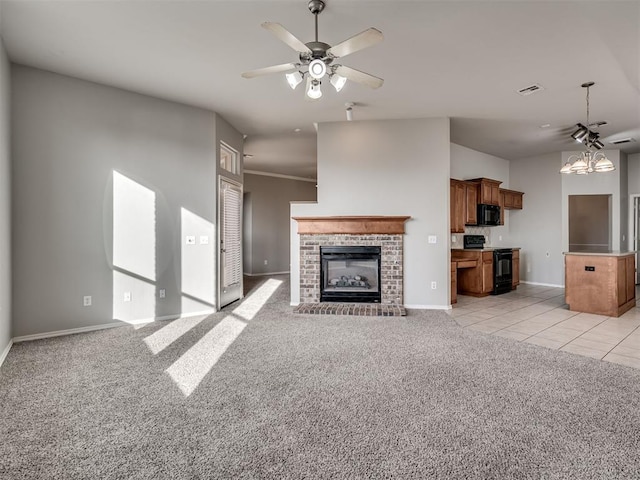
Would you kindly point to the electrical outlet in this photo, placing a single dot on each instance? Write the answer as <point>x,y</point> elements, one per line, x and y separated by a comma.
<point>127,296</point>
<point>528,269</point>
<point>86,301</point>
<point>191,239</point>
<point>434,285</point>
<point>433,239</point>
<point>162,293</point>
<point>266,262</point>
<point>454,239</point>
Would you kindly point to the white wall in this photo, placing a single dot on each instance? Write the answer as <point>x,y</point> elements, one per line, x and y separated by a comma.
<point>467,164</point>
<point>394,167</point>
<point>5,205</point>
<point>634,173</point>
<point>269,208</point>
<point>106,184</point>
<point>537,228</point>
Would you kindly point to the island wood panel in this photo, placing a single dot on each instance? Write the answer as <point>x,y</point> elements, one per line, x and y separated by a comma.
<point>603,290</point>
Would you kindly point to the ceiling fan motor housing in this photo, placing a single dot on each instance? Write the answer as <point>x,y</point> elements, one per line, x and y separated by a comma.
<point>318,50</point>
<point>316,6</point>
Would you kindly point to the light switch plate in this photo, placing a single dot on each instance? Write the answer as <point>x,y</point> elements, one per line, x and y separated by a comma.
<point>204,240</point>
<point>433,239</point>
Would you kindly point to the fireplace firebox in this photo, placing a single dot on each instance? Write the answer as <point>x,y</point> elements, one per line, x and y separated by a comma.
<point>350,274</point>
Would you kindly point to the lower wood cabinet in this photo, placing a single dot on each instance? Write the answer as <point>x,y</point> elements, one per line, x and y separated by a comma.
<point>474,272</point>
<point>515,269</point>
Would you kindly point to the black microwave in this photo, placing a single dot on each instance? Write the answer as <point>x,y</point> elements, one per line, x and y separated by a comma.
<point>488,215</point>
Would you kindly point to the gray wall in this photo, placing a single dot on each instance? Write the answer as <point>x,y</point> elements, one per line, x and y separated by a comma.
<point>390,167</point>
<point>106,184</point>
<point>589,223</point>
<point>634,173</point>
<point>537,228</point>
<point>269,210</point>
<point>5,205</point>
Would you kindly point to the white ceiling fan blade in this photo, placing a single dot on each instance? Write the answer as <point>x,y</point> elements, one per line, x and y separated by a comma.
<point>365,39</point>
<point>285,67</point>
<point>359,77</point>
<point>286,36</point>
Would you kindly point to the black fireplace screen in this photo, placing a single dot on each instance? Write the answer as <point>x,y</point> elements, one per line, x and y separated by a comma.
<point>350,274</point>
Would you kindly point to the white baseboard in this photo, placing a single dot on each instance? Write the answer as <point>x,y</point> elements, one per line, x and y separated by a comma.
<point>69,331</point>
<point>429,307</point>
<point>266,274</point>
<point>92,328</point>
<point>542,284</point>
<point>5,352</point>
<point>294,304</point>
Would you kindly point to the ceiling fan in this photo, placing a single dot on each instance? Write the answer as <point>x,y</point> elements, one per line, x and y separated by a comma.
<point>316,59</point>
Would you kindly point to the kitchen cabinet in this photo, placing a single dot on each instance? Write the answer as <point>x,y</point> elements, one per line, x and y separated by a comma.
<point>463,198</point>
<point>488,190</point>
<point>515,269</point>
<point>457,205</point>
<point>476,278</point>
<point>471,200</point>
<point>600,283</point>
<point>512,199</point>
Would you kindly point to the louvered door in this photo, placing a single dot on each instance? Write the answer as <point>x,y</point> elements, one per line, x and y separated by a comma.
<point>230,221</point>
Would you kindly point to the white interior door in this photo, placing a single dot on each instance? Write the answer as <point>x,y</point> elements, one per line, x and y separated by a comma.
<point>230,257</point>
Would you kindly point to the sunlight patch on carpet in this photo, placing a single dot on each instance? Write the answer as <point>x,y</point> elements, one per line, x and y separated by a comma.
<point>188,371</point>
<point>164,337</point>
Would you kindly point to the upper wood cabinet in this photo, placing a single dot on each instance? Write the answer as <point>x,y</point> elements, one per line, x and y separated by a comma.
<point>463,204</point>
<point>488,190</point>
<point>457,205</point>
<point>512,199</point>
<point>471,200</point>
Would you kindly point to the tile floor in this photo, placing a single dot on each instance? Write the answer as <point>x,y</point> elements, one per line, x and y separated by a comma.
<point>537,314</point>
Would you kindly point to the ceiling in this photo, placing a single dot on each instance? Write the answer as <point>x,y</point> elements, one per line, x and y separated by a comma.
<point>458,59</point>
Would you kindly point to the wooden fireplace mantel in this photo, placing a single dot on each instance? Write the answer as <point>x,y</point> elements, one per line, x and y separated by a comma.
<point>360,225</point>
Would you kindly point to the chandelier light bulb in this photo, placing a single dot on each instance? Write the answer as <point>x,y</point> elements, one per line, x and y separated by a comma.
<point>317,69</point>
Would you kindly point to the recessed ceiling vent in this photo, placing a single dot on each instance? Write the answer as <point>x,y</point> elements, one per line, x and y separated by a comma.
<point>530,89</point>
<point>622,141</point>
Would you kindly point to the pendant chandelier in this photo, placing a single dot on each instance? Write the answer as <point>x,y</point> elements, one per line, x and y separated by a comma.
<point>589,161</point>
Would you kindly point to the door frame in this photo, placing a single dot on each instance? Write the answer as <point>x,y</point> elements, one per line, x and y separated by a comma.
<point>634,230</point>
<point>219,232</point>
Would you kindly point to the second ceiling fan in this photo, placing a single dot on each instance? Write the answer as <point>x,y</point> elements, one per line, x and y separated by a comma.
<point>316,59</point>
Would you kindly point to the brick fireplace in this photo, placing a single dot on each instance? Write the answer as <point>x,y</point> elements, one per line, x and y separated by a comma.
<point>385,232</point>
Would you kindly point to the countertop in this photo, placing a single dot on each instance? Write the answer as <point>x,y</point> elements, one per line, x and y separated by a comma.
<point>485,249</point>
<point>610,253</point>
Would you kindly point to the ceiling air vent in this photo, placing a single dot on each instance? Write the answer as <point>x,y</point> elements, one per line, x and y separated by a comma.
<point>530,89</point>
<point>622,141</point>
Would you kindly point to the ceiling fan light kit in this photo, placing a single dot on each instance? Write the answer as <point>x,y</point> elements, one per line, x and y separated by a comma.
<point>316,58</point>
<point>588,161</point>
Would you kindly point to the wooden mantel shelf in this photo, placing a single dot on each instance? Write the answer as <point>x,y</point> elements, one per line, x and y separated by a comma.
<point>360,225</point>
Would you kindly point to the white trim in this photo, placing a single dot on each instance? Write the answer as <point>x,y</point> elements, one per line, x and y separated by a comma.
<point>4,354</point>
<point>542,284</point>
<point>429,307</point>
<point>294,304</point>
<point>70,331</point>
<point>265,274</point>
<point>278,175</point>
<point>104,326</point>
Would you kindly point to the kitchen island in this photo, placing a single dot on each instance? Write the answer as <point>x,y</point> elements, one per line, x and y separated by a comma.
<point>600,282</point>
